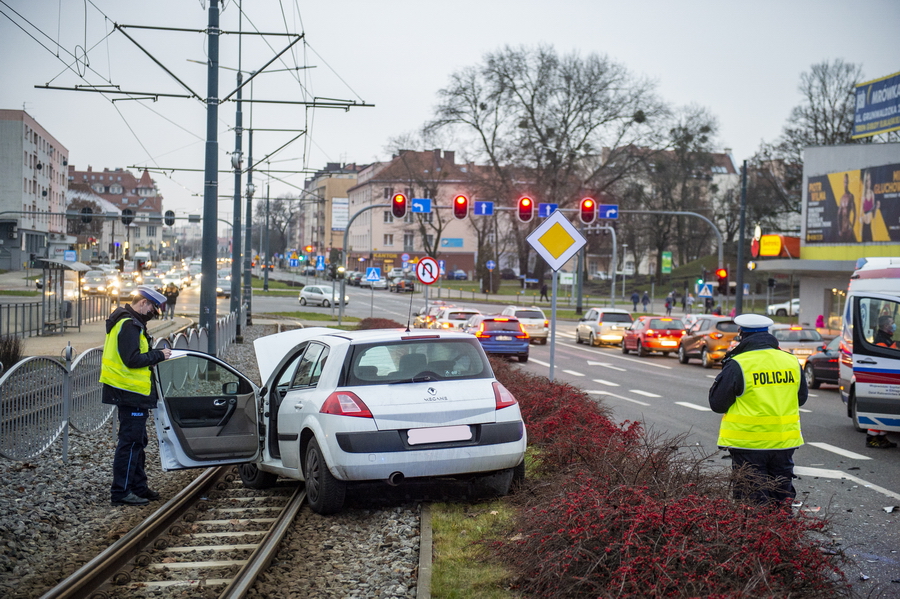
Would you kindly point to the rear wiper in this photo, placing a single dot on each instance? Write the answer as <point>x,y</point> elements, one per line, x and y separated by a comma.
<point>424,378</point>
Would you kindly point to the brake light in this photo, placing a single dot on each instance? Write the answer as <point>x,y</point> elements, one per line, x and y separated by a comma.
<point>345,403</point>
<point>522,334</point>
<point>796,328</point>
<point>480,332</point>
<point>546,323</point>
<point>650,332</point>
<point>446,325</point>
<point>502,397</point>
<point>501,320</point>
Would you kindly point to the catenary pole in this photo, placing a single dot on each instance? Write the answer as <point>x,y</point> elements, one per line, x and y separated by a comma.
<point>236,231</point>
<point>739,290</point>
<point>211,184</point>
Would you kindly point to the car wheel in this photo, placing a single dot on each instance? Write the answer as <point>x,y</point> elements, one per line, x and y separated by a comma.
<point>781,312</point>
<point>523,359</point>
<point>641,350</point>
<point>518,475</point>
<point>254,478</point>
<point>811,381</point>
<point>624,349</point>
<point>543,341</point>
<point>705,359</point>
<point>591,340</point>
<point>324,492</point>
<point>326,304</point>
<point>682,355</point>
<point>302,301</point>
<point>854,416</point>
<point>577,337</point>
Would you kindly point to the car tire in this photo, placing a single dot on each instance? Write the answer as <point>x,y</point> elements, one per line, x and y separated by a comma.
<point>518,476</point>
<point>781,312</point>
<point>543,341</point>
<point>523,359</point>
<point>254,478</point>
<point>302,301</point>
<point>705,359</point>
<point>326,304</point>
<point>577,337</point>
<point>591,339</point>
<point>324,492</point>
<point>624,349</point>
<point>854,416</point>
<point>811,381</point>
<point>641,350</point>
<point>682,355</point>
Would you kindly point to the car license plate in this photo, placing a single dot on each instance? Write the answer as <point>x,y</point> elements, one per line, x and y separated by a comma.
<point>503,338</point>
<point>669,344</point>
<point>441,434</point>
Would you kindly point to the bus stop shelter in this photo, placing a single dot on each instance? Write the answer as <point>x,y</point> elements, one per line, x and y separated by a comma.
<point>60,303</point>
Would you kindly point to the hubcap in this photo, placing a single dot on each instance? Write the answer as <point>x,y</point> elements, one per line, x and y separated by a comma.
<point>312,475</point>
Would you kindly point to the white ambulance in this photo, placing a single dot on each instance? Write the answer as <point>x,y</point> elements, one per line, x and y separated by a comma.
<point>870,347</point>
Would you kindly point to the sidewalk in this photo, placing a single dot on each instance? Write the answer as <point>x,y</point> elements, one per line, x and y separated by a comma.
<point>94,335</point>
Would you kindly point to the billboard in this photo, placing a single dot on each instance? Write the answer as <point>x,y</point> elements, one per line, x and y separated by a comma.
<point>861,205</point>
<point>877,107</point>
<point>340,213</point>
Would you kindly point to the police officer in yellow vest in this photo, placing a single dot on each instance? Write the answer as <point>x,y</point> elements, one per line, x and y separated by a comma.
<point>759,393</point>
<point>128,384</point>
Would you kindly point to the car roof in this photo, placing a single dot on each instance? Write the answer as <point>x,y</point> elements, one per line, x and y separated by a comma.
<point>610,310</point>
<point>796,327</point>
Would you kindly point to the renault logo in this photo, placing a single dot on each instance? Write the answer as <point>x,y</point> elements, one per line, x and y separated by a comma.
<point>432,390</point>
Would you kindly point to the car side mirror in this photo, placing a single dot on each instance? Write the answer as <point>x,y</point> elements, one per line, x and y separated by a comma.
<point>230,388</point>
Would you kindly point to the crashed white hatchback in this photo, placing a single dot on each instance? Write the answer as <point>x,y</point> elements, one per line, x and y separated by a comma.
<point>338,407</point>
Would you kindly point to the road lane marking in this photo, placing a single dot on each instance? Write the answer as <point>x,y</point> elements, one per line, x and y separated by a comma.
<point>607,393</point>
<point>573,373</point>
<point>539,362</point>
<point>824,473</point>
<point>805,410</point>
<point>644,393</point>
<point>607,383</point>
<point>843,452</point>
<point>813,395</point>
<point>612,355</point>
<point>693,406</point>
<point>605,365</point>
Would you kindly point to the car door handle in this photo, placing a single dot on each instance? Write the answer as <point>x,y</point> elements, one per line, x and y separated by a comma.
<point>298,406</point>
<point>866,361</point>
<point>218,402</point>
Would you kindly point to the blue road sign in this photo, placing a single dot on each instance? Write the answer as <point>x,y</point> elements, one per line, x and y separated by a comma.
<point>610,211</point>
<point>452,242</point>
<point>545,210</point>
<point>373,273</point>
<point>441,266</point>
<point>421,204</point>
<point>320,262</point>
<point>404,257</point>
<point>293,262</point>
<point>491,265</point>
<point>705,291</point>
<point>484,208</point>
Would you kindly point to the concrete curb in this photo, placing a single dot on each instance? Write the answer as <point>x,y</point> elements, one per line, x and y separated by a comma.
<point>423,587</point>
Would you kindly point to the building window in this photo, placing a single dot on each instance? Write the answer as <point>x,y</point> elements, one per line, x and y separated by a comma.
<point>429,240</point>
<point>151,231</point>
<point>408,219</point>
<point>409,192</point>
<point>427,217</point>
<point>409,240</point>
<point>137,232</point>
<point>388,239</point>
<point>115,189</point>
<point>388,216</point>
<point>388,192</point>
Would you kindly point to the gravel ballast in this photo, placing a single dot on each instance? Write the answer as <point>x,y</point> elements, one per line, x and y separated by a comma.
<point>54,517</point>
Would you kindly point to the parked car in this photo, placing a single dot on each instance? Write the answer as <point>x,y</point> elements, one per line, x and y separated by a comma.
<point>798,340</point>
<point>355,278</point>
<point>707,338</point>
<point>396,272</point>
<point>532,320</point>
<point>223,288</point>
<point>824,366</point>
<point>508,274</point>
<point>403,285</point>
<point>321,295</point>
<point>379,284</point>
<point>329,413</point>
<point>500,335</point>
<point>457,275</point>
<point>791,308</point>
<point>603,325</point>
<point>452,317</point>
<point>653,334</point>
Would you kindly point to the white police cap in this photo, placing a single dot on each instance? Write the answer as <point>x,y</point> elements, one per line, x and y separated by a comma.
<point>151,294</point>
<point>753,322</point>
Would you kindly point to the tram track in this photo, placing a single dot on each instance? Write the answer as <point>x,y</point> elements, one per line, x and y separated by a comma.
<point>214,535</point>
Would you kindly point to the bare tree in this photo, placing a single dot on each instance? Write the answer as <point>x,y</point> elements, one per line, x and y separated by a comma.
<point>75,226</point>
<point>282,211</point>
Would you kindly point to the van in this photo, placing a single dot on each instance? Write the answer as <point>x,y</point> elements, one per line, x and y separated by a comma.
<point>869,367</point>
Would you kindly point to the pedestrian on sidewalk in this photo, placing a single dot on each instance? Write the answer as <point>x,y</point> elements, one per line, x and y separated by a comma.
<point>171,292</point>
<point>635,298</point>
<point>690,302</point>
<point>128,384</point>
<point>669,301</point>
<point>759,393</point>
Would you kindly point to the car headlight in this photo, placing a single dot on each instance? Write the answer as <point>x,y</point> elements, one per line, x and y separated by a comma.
<point>218,290</point>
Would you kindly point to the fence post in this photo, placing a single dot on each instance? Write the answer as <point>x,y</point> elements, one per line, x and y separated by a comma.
<point>67,401</point>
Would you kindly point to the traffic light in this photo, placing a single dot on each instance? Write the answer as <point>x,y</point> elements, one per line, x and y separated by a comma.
<point>398,205</point>
<point>526,209</point>
<point>86,214</point>
<point>702,280</point>
<point>460,207</point>
<point>722,276</point>
<point>588,210</point>
<point>127,216</point>
<point>309,249</point>
<point>169,218</point>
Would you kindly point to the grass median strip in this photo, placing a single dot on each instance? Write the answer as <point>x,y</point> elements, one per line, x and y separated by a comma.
<point>314,316</point>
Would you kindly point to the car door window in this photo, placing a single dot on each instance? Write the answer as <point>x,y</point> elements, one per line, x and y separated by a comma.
<point>877,318</point>
<point>310,367</point>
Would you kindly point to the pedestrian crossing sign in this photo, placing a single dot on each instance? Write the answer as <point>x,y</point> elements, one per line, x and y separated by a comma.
<point>704,290</point>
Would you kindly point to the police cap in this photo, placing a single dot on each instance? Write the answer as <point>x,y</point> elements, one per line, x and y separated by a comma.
<point>753,323</point>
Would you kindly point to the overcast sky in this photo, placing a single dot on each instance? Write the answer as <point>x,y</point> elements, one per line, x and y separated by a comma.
<point>742,61</point>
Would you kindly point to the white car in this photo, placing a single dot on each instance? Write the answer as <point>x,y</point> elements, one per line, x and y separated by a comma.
<point>321,295</point>
<point>791,308</point>
<point>452,318</point>
<point>380,284</point>
<point>339,407</point>
<point>533,321</point>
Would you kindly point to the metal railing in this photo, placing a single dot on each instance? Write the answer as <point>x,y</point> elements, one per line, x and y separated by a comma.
<point>42,397</point>
<point>27,319</point>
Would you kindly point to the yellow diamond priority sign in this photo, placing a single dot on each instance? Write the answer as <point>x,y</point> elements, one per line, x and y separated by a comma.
<point>556,240</point>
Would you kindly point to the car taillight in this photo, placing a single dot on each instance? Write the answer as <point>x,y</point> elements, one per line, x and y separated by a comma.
<point>502,397</point>
<point>716,335</point>
<point>480,332</point>
<point>345,403</point>
<point>546,323</point>
<point>446,325</point>
<point>522,334</point>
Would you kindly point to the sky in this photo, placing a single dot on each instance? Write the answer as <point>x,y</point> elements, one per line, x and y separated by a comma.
<point>741,61</point>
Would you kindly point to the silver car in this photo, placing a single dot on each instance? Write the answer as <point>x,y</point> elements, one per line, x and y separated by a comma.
<point>533,321</point>
<point>321,295</point>
<point>603,325</point>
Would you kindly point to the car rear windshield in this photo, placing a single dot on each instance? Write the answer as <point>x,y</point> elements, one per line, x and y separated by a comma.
<point>797,335</point>
<point>529,314</point>
<point>661,323</point>
<point>615,317</point>
<point>460,315</point>
<point>728,327</point>
<point>421,360</point>
<point>501,325</point>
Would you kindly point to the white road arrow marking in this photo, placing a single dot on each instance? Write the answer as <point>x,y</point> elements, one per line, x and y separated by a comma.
<point>607,393</point>
<point>605,365</point>
<point>573,373</point>
<point>539,362</point>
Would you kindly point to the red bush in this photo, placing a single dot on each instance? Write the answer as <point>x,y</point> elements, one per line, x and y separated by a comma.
<point>378,323</point>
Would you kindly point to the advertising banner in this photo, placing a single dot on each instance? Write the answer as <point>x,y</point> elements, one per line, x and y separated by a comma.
<point>855,206</point>
<point>877,107</point>
<point>340,213</point>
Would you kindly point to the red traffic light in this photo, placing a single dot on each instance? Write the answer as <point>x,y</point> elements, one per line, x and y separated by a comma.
<point>722,273</point>
<point>460,207</point>
<point>588,211</point>
<point>308,249</point>
<point>526,209</point>
<point>398,205</point>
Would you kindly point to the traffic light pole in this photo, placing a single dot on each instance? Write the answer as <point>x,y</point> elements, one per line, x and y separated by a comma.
<point>739,290</point>
<point>211,185</point>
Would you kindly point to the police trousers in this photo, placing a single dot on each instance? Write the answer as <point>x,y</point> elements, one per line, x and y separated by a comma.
<point>129,475</point>
<point>768,475</point>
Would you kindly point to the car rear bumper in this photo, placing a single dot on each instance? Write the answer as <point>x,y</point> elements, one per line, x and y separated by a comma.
<point>517,347</point>
<point>661,344</point>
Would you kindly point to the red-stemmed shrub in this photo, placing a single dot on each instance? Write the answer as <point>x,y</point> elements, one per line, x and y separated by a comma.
<point>378,323</point>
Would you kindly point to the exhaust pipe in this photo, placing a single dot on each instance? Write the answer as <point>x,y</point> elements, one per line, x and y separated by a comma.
<point>395,478</point>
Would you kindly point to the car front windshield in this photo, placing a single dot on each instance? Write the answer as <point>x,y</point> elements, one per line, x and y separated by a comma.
<point>416,361</point>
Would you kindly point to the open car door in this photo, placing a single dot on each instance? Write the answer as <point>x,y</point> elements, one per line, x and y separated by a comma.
<point>207,414</point>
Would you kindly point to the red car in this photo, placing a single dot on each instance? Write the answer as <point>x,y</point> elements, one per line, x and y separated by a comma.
<point>653,333</point>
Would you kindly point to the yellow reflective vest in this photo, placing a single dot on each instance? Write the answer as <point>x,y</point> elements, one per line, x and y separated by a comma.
<point>767,414</point>
<point>115,373</point>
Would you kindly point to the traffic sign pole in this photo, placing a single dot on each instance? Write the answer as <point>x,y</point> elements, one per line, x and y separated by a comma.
<point>555,278</point>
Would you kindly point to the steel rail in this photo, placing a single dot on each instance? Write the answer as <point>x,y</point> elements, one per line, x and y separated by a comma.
<point>99,570</point>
